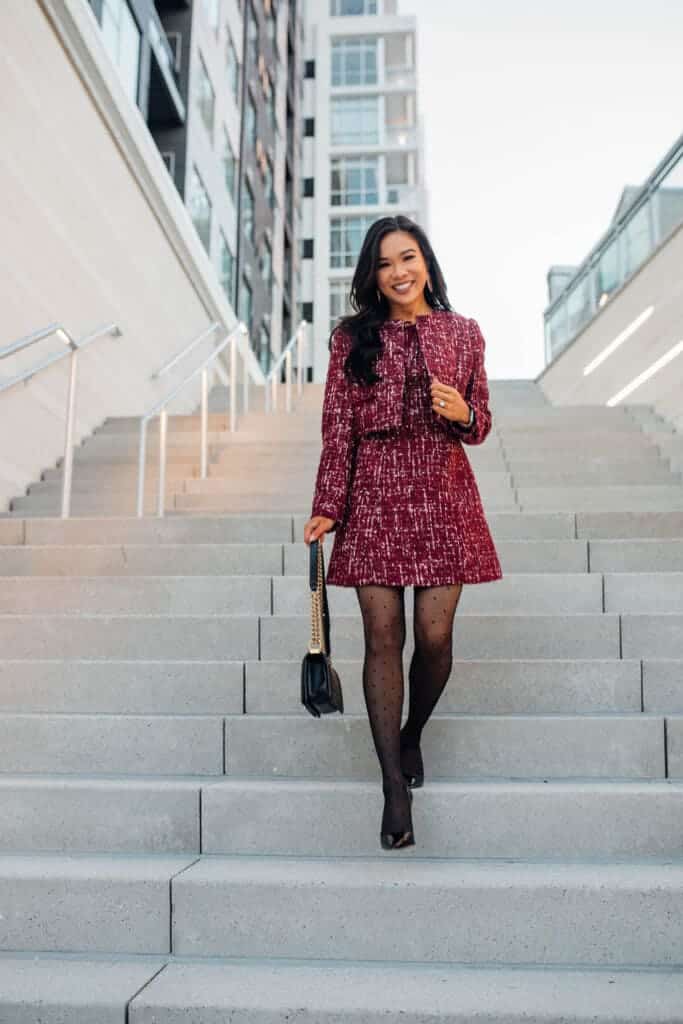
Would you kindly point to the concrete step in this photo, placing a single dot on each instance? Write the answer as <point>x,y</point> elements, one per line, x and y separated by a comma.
<point>473,746</point>
<point>242,596</point>
<point>117,686</point>
<point>268,687</point>
<point>498,501</point>
<point>148,560</point>
<point>93,904</point>
<point>475,636</point>
<point>615,525</point>
<point>175,423</point>
<point>490,746</point>
<point>228,529</point>
<point>594,913</point>
<point>373,992</point>
<point>652,636</point>
<point>644,593</point>
<point>642,498</point>
<point>523,593</point>
<point>515,444</point>
<point>563,820</point>
<point>122,744</point>
<point>636,555</point>
<point>91,814</point>
<point>54,989</point>
<point>265,992</point>
<point>662,690</point>
<point>562,477</point>
<point>159,637</point>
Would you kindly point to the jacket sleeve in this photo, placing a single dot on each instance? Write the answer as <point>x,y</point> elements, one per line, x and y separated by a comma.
<point>334,468</point>
<point>476,393</point>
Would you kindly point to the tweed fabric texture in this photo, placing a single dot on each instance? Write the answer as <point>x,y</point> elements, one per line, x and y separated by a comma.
<point>393,473</point>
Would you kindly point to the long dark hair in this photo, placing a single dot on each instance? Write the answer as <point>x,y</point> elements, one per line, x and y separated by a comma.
<point>372,307</point>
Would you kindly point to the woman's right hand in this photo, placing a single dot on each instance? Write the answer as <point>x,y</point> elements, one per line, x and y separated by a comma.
<point>316,527</point>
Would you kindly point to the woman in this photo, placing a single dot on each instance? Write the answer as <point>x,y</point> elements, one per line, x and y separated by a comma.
<point>405,386</point>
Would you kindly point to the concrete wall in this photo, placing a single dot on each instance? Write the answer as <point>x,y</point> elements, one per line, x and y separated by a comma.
<point>658,283</point>
<point>93,230</point>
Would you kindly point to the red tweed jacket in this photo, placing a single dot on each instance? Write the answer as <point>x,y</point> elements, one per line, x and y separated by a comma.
<point>453,349</point>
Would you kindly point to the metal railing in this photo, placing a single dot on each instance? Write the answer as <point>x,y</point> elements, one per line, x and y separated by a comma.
<point>74,348</point>
<point>251,369</point>
<point>160,408</point>
<point>298,339</point>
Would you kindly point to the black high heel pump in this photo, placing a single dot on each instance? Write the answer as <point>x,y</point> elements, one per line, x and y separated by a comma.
<point>398,840</point>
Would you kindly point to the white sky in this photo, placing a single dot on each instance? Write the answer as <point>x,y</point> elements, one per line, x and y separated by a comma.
<point>536,114</point>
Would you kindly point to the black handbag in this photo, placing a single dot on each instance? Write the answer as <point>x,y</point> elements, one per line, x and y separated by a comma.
<point>321,690</point>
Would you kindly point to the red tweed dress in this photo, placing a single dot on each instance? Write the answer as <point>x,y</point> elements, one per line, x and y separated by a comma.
<point>393,474</point>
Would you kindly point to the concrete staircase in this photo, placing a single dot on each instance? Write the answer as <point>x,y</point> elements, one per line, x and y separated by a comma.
<point>181,842</point>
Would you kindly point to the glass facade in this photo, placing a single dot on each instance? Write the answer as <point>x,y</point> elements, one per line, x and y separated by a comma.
<point>346,238</point>
<point>354,61</point>
<point>122,40</point>
<point>229,164</point>
<point>227,268</point>
<point>339,8</point>
<point>248,212</point>
<point>354,181</point>
<point>354,121</point>
<point>339,301</point>
<point>206,97</point>
<point>200,209</point>
<point>232,64</point>
<point>245,303</point>
<point>654,212</point>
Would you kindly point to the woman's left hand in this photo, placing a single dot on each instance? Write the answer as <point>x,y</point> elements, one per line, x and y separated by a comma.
<point>455,408</point>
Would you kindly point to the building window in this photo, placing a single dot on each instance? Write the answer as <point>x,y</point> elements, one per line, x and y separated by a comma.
<point>309,188</point>
<point>252,38</point>
<point>339,301</point>
<point>309,69</point>
<point>229,164</point>
<point>354,61</point>
<point>307,312</point>
<point>346,237</point>
<point>341,8</point>
<point>227,269</point>
<point>248,212</point>
<point>200,209</point>
<point>233,65</point>
<point>266,264</point>
<point>271,26</point>
<point>206,97</point>
<point>122,41</point>
<point>251,119</point>
<point>263,354</point>
<point>245,303</point>
<point>354,181</point>
<point>307,251</point>
<point>270,105</point>
<point>354,121</point>
<point>309,126</point>
<point>211,11</point>
<point>268,185</point>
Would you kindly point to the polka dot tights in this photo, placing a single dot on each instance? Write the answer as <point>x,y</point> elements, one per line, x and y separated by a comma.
<point>383,612</point>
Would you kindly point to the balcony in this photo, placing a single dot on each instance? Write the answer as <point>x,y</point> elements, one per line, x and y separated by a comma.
<point>166,107</point>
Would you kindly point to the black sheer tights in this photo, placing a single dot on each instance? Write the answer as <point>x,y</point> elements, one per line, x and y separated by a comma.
<point>383,613</point>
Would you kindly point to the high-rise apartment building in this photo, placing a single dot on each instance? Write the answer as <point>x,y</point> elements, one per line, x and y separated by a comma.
<point>219,83</point>
<point>363,146</point>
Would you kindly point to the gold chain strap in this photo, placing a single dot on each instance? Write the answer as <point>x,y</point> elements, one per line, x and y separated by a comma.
<point>317,644</point>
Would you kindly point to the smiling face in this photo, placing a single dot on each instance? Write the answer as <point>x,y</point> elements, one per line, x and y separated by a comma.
<point>402,274</point>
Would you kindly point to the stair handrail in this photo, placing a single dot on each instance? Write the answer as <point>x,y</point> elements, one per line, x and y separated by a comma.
<point>159,408</point>
<point>185,351</point>
<point>73,350</point>
<point>299,338</point>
